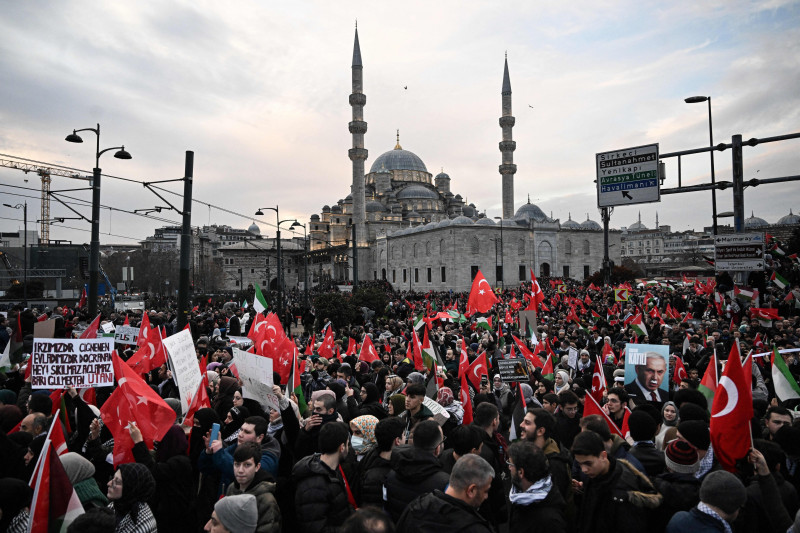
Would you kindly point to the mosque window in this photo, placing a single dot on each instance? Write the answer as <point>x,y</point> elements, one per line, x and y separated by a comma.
<point>586,273</point>
<point>522,273</point>
<point>474,246</point>
<point>430,275</point>
<point>403,252</point>
<point>428,248</point>
<point>586,247</point>
<point>415,249</point>
<point>404,275</point>
<point>566,271</point>
<point>444,274</point>
<point>394,276</point>
<point>442,248</point>
<point>416,275</point>
<point>521,247</point>
<point>568,247</point>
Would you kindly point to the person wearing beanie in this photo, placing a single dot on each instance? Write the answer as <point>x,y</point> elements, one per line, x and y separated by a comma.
<point>681,490</point>
<point>643,430</point>
<point>234,514</point>
<point>697,434</point>
<point>80,472</point>
<point>721,497</point>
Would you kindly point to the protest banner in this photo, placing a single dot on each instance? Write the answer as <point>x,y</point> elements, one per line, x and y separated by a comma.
<point>255,372</point>
<point>241,342</point>
<point>572,359</point>
<point>646,367</point>
<point>107,327</point>
<point>126,335</point>
<point>45,329</point>
<point>185,368</point>
<point>63,363</point>
<point>511,370</point>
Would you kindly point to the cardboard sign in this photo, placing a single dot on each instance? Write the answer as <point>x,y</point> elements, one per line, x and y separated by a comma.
<point>572,360</point>
<point>79,363</point>
<point>107,327</point>
<point>512,370</point>
<point>126,335</point>
<point>44,330</point>
<point>185,368</point>
<point>255,372</point>
<point>647,371</point>
<point>440,414</point>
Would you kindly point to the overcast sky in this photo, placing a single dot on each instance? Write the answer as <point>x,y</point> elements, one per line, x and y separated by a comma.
<point>259,91</point>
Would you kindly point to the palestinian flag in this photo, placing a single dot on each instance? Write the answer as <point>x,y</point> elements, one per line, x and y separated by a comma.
<point>595,316</point>
<point>637,325</point>
<point>55,504</point>
<point>779,280</point>
<point>419,321</point>
<point>520,407</point>
<point>547,371</point>
<point>484,322</point>
<point>295,384</point>
<point>429,355</point>
<point>746,294</point>
<point>786,388</point>
<point>259,302</point>
<point>775,249</point>
<point>708,385</point>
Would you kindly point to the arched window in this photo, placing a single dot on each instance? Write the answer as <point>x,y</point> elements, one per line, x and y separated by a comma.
<point>521,247</point>
<point>442,247</point>
<point>568,247</point>
<point>545,252</point>
<point>403,251</point>
<point>415,249</point>
<point>474,247</point>
<point>586,247</point>
<point>428,248</point>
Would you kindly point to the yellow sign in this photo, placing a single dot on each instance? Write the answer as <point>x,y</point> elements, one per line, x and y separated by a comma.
<point>561,288</point>
<point>621,295</point>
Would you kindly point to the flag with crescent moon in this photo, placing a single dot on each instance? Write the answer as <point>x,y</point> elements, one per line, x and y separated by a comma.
<point>481,297</point>
<point>731,412</point>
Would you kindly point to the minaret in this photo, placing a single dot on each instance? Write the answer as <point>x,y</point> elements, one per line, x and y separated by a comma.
<point>507,147</point>
<point>358,154</point>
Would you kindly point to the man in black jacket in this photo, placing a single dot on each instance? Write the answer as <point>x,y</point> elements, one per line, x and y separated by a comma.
<point>487,418</point>
<point>416,469</point>
<point>321,499</point>
<point>456,508</point>
<point>536,504</point>
<point>376,465</point>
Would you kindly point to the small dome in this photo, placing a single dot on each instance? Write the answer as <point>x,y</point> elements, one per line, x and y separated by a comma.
<point>531,212</point>
<point>789,219</point>
<point>374,207</point>
<point>590,224</point>
<point>336,209</point>
<point>666,260</point>
<point>485,221</point>
<point>254,229</point>
<point>461,221</point>
<point>348,199</point>
<point>755,222</point>
<point>570,224</point>
<point>413,214</point>
<point>637,226</point>
<point>417,191</point>
<point>314,218</point>
<point>442,176</point>
<point>326,209</point>
<point>398,159</point>
<point>458,197</point>
<point>444,223</point>
<point>468,211</point>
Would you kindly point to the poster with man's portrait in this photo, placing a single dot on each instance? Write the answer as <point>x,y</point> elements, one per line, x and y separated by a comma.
<point>647,372</point>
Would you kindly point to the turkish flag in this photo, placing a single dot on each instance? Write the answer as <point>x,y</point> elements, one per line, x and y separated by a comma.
<point>368,352</point>
<point>310,346</point>
<point>91,331</point>
<point>466,401</point>
<point>608,350</point>
<point>151,353</point>
<point>463,363</point>
<point>416,351</point>
<point>134,401</point>
<point>598,381</point>
<point>282,357</point>
<point>764,313</point>
<point>259,322</point>
<point>351,346</point>
<point>127,321</point>
<point>680,371</point>
<point>592,407</point>
<point>526,353</point>
<point>731,412</point>
<point>481,297</point>
<point>478,368</point>
<point>326,349</point>
<point>199,401</point>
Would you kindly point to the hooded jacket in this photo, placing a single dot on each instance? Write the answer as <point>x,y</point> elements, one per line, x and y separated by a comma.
<point>269,514</point>
<point>372,472</point>
<point>320,497</point>
<point>546,515</point>
<point>438,512</point>
<point>414,472</point>
<point>222,461</point>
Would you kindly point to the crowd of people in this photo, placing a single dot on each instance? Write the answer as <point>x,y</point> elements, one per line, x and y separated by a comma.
<point>392,445</point>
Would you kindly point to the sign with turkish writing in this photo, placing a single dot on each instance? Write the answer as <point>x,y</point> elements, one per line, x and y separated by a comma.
<point>739,251</point>
<point>647,372</point>
<point>184,365</point>
<point>255,371</point>
<point>628,176</point>
<point>64,363</point>
<point>511,370</point>
<point>126,335</point>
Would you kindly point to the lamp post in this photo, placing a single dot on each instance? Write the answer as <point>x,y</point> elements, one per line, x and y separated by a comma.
<point>699,100</point>
<point>94,246</point>
<point>297,224</point>
<point>24,207</point>
<point>502,263</point>
<point>280,260</point>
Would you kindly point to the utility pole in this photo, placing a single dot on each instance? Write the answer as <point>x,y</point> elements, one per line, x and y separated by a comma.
<point>186,242</point>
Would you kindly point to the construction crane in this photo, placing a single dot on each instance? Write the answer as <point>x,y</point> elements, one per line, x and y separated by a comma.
<point>44,172</point>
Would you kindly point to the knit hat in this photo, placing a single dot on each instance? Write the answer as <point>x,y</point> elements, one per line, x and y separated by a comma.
<point>696,433</point>
<point>239,514</point>
<point>691,411</point>
<point>619,374</point>
<point>681,457</point>
<point>415,377</point>
<point>723,490</point>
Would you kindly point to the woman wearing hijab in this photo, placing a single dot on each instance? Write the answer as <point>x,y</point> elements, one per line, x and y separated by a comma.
<point>397,404</point>
<point>669,423</point>
<point>129,490</point>
<point>232,424</point>
<point>223,401</point>
<point>363,439</point>
<point>447,399</point>
<point>562,381</point>
<point>394,385</point>
<point>80,472</point>
<point>15,501</point>
<point>369,402</point>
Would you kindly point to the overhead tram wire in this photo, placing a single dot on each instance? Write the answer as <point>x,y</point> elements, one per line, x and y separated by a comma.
<point>80,229</point>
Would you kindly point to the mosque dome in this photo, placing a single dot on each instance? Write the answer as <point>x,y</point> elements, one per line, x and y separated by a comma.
<point>417,191</point>
<point>374,207</point>
<point>444,223</point>
<point>326,209</point>
<point>754,222</point>
<point>530,211</point>
<point>398,159</point>
<point>485,221</point>
<point>590,224</point>
<point>254,229</point>
<point>442,175</point>
<point>314,218</point>
<point>468,211</point>
<point>336,209</point>
<point>570,224</point>
<point>789,219</point>
<point>462,221</point>
<point>637,226</point>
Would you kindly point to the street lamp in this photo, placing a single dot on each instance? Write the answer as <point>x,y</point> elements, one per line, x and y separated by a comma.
<point>699,100</point>
<point>94,247</point>
<point>24,207</point>
<point>297,224</point>
<point>280,260</point>
<point>502,263</point>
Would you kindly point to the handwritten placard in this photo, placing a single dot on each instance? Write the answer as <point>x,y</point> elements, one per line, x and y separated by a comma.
<point>126,335</point>
<point>79,363</point>
<point>185,368</point>
<point>255,372</point>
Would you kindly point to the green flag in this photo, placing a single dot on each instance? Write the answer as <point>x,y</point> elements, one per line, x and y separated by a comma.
<point>259,302</point>
<point>786,387</point>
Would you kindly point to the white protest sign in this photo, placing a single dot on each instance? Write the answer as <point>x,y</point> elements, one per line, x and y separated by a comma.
<point>107,327</point>
<point>440,414</point>
<point>79,363</point>
<point>126,335</point>
<point>185,368</point>
<point>241,342</point>
<point>573,358</point>
<point>255,372</point>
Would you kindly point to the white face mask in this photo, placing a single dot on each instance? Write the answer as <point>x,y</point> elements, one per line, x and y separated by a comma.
<point>357,443</point>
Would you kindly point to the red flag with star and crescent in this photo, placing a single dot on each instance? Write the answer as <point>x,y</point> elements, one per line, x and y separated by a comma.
<point>478,368</point>
<point>151,353</point>
<point>326,348</point>
<point>731,412</point>
<point>368,352</point>
<point>598,381</point>
<point>679,372</point>
<point>134,401</point>
<point>351,346</point>
<point>481,296</point>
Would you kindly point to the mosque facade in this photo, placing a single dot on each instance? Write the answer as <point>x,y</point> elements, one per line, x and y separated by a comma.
<point>413,231</point>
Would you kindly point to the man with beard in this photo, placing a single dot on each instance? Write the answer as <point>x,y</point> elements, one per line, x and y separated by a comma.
<point>536,505</point>
<point>649,376</point>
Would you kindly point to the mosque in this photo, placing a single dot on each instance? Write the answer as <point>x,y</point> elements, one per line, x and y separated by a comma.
<point>412,230</point>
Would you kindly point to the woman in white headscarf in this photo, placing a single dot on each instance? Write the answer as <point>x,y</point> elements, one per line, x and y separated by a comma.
<point>562,381</point>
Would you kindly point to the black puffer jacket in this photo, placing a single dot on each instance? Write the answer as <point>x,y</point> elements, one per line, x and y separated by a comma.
<point>438,512</point>
<point>543,516</point>
<point>372,472</point>
<point>320,496</point>
<point>414,472</point>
